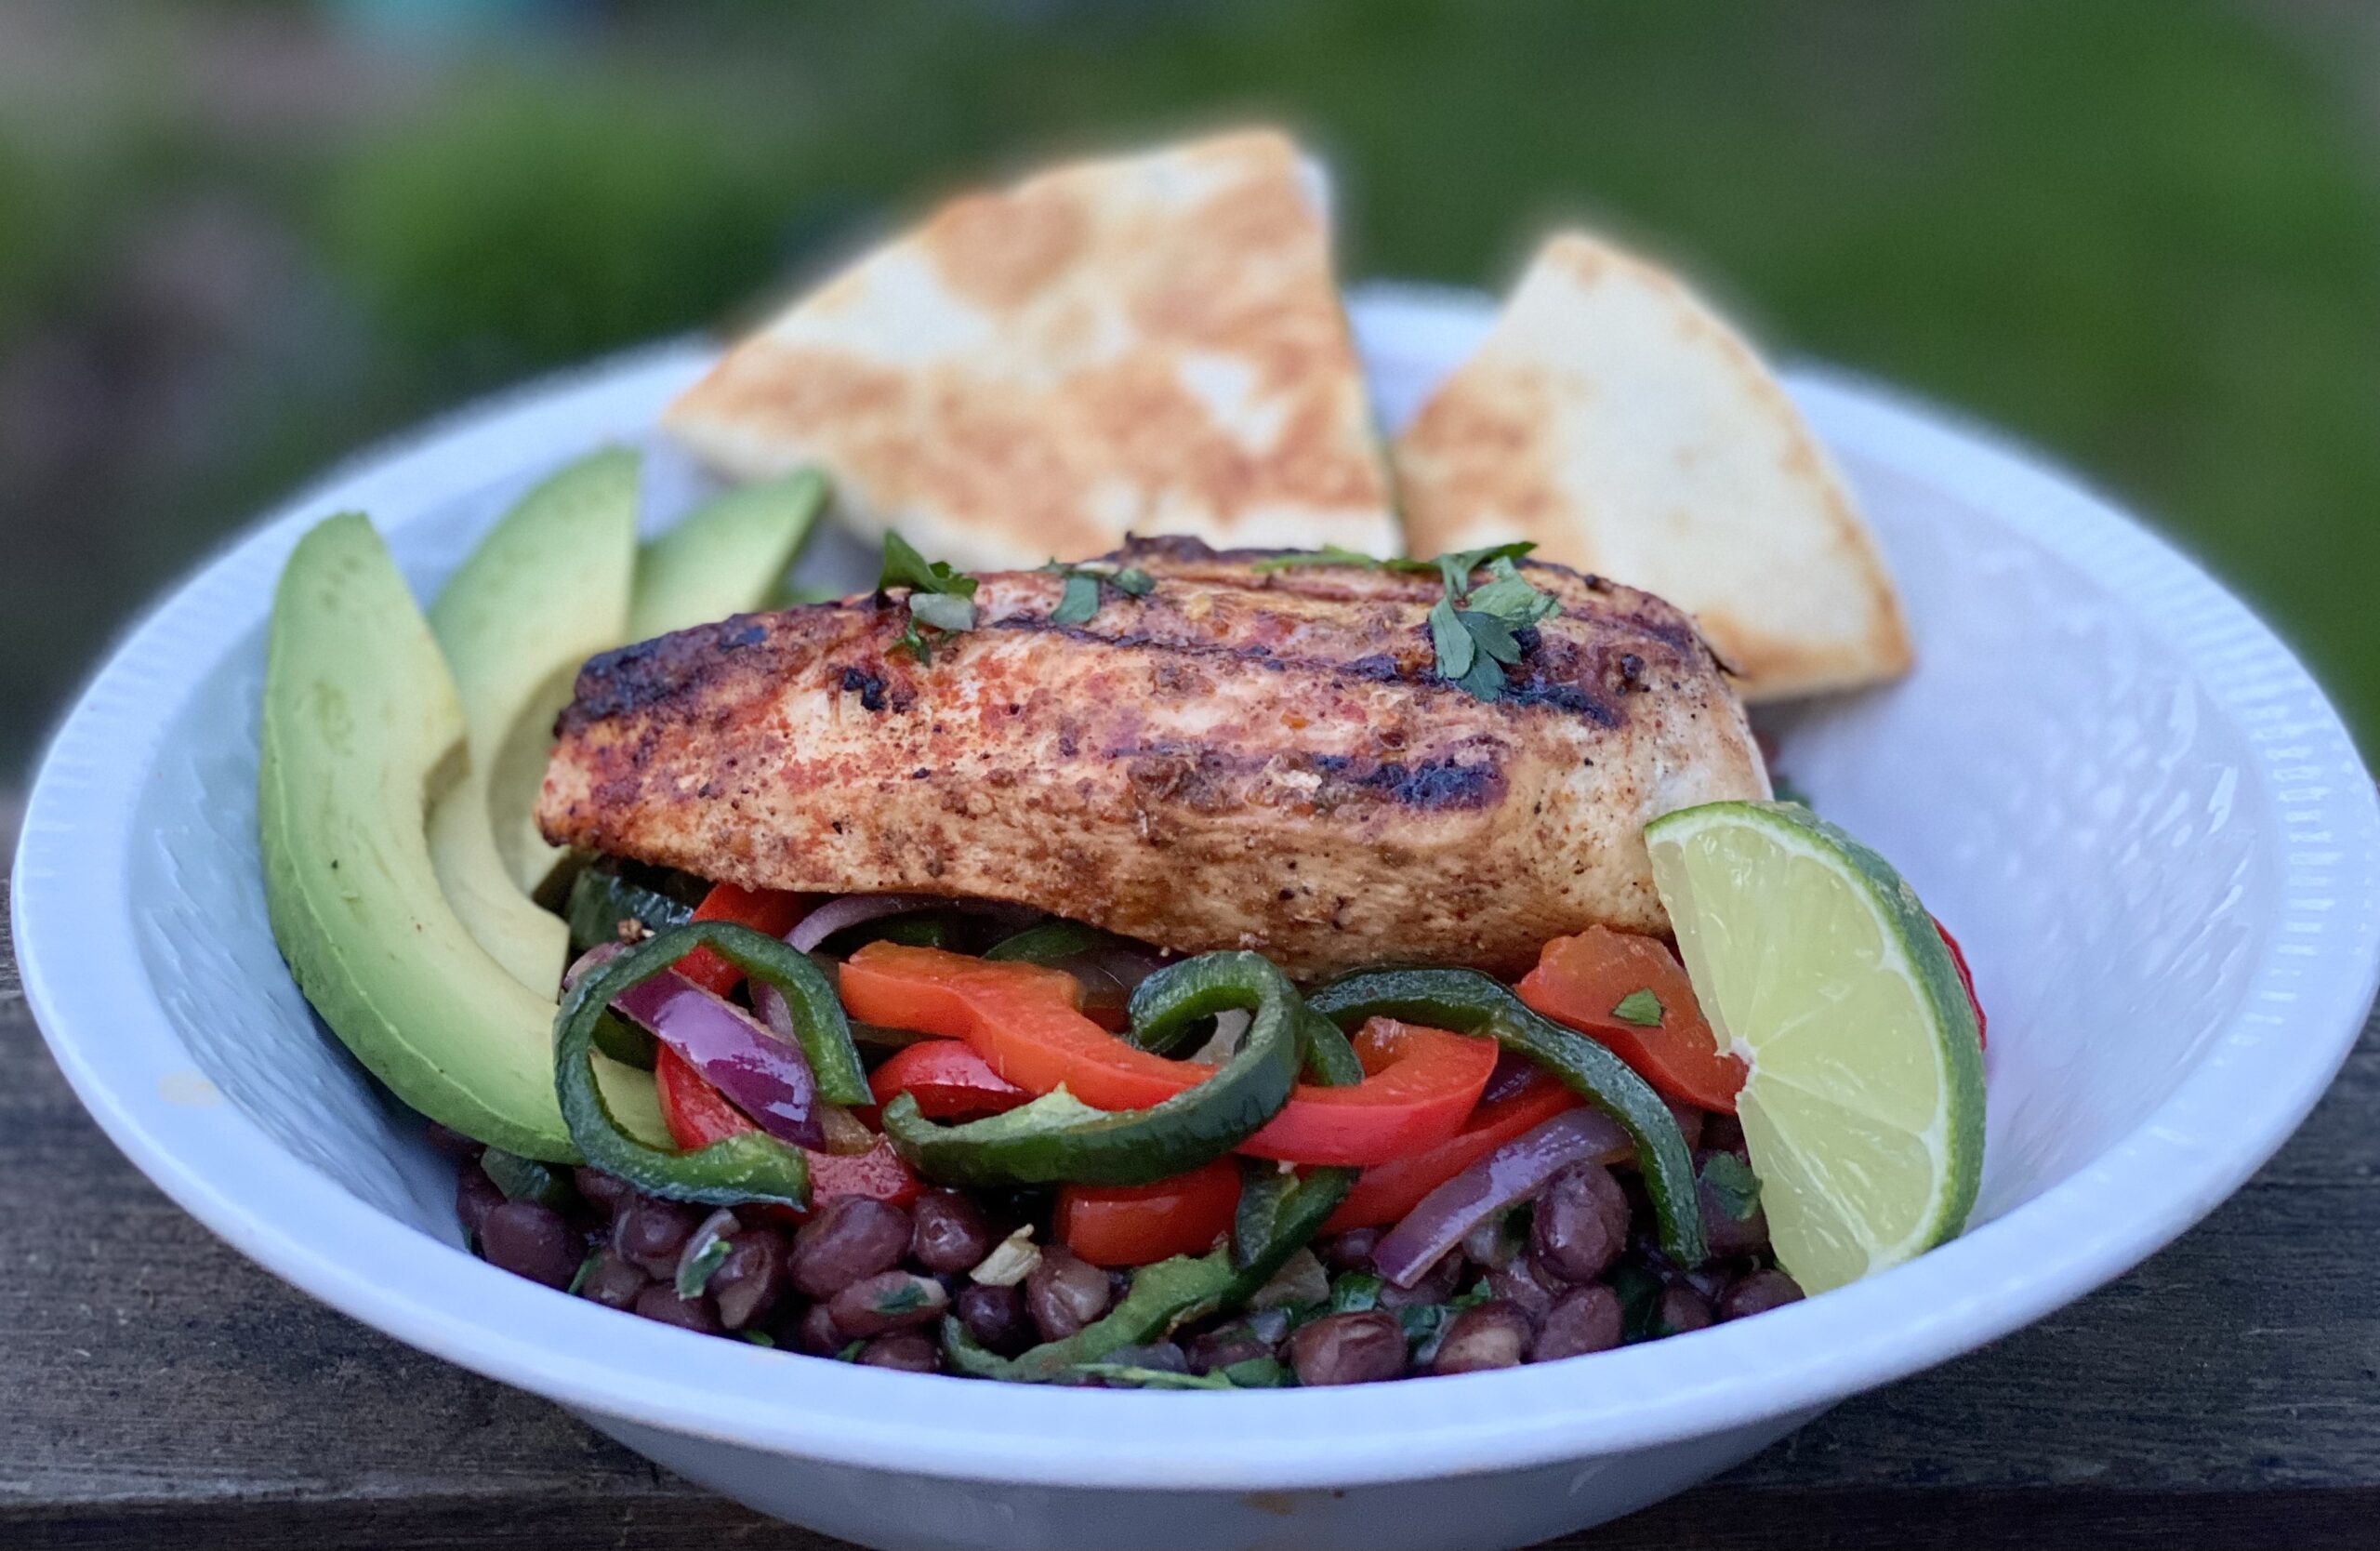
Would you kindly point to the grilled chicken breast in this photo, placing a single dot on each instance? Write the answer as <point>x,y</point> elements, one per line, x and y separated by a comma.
<point>1236,760</point>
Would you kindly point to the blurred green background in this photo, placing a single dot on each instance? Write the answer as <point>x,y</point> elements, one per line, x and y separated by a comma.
<point>238,240</point>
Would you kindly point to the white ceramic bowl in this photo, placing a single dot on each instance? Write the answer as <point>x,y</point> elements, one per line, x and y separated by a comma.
<point>2117,786</point>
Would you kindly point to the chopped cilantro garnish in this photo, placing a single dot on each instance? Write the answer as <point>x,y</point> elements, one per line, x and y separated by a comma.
<point>1641,1008</point>
<point>1080,602</point>
<point>1329,555</point>
<point>694,1271</point>
<point>940,598</point>
<point>1081,598</point>
<point>1734,1187</point>
<point>1473,630</point>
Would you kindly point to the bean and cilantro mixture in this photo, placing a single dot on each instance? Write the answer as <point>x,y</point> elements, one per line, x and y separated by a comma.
<point>942,1140</point>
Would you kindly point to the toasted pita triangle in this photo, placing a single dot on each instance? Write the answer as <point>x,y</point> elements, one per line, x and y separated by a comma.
<point>1613,418</point>
<point>1149,345</point>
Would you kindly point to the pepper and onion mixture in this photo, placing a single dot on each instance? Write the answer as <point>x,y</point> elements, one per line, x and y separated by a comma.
<point>916,1134</point>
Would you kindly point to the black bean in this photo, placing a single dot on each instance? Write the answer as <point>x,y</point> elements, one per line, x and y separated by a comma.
<point>1521,1283</point>
<point>1580,1223</point>
<point>1492,1335</point>
<point>948,1232</point>
<point>613,1281</point>
<point>1437,1284</point>
<point>475,1196</point>
<point>996,1318</point>
<point>1352,1251</point>
<point>1584,1320</point>
<point>848,1239</point>
<point>650,1232</point>
<point>1226,1345</point>
<point>1757,1293</point>
<point>1682,1309</point>
<point>606,1193</point>
<point>1348,1349</point>
<point>887,1301</point>
<point>660,1302</point>
<point>750,1280</point>
<point>909,1351</point>
<point>1065,1292</point>
<point>533,1242</point>
<point>453,1143</point>
<point>815,1332</point>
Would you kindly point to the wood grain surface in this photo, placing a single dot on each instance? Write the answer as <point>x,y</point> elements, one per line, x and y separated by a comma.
<point>157,1389</point>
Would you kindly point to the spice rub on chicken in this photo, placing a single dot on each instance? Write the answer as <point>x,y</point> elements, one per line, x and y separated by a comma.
<point>1232,758</point>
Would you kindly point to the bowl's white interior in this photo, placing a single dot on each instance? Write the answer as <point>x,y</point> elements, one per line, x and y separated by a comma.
<point>2143,820</point>
<point>2047,780</point>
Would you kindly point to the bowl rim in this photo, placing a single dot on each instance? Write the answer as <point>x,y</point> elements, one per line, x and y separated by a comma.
<point>2313,982</point>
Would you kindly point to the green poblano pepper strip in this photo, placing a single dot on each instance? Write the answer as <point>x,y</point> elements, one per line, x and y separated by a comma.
<point>1048,942</point>
<point>1059,1137</point>
<point>1470,1002</point>
<point>751,1167</point>
<point>1278,1214</point>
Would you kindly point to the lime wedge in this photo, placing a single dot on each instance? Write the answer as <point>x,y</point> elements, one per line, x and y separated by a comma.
<point>1815,964</point>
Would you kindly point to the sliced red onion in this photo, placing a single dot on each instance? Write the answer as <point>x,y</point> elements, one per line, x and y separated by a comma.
<point>1512,1173</point>
<point>762,1075</point>
<point>852,909</point>
<point>587,963</point>
<point>1511,1074</point>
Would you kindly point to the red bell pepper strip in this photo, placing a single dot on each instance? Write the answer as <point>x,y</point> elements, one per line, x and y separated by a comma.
<point>1582,982</point>
<point>1026,1023</point>
<point>699,1114</point>
<point>1139,1225</point>
<point>769,910</point>
<point>1967,979</point>
<point>1385,1192</point>
<point>947,1078</point>
<point>1419,1083</point>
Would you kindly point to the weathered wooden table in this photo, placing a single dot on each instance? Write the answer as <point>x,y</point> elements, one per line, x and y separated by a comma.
<point>157,1389</point>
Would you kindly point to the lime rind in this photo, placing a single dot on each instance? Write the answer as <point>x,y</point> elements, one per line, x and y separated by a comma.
<point>1827,1202</point>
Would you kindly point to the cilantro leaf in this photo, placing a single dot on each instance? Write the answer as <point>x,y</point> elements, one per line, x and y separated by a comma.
<point>1133,582</point>
<point>759,1338</point>
<point>1641,1008</point>
<point>849,1353</point>
<point>1329,555</point>
<point>694,1271</point>
<point>943,611</point>
<point>1787,790</point>
<point>1511,597</point>
<point>1455,649</point>
<point>939,597</point>
<point>1493,636</point>
<point>1080,602</point>
<point>1733,1186</point>
<point>585,1269</point>
<point>1355,1292</point>
<point>905,567</point>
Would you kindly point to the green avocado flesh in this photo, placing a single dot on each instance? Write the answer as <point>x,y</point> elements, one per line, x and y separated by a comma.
<point>547,589</point>
<point>724,557</point>
<point>363,731</point>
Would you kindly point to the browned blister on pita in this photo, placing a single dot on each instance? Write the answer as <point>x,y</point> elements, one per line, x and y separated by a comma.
<point>1612,417</point>
<point>1152,344</point>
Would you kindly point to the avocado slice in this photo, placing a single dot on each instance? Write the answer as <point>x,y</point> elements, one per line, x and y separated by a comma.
<point>547,589</point>
<point>362,730</point>
<point>724,557</point>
